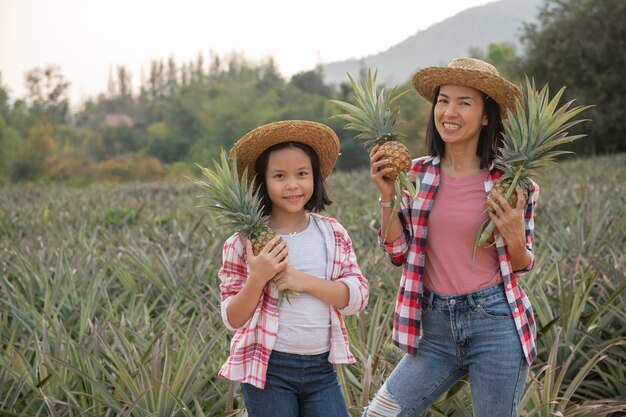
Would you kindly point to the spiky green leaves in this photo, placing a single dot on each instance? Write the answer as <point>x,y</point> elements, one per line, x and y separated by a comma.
<point>372,115</point>
<point>377,122</point>
<point>530,136</point>
<point>232,198</point>
<point>534,130</point>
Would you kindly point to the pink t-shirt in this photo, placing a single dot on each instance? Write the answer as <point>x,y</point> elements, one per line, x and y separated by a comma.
<point>456,216</point>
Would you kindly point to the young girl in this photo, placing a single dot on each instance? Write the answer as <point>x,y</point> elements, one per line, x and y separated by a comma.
<point>455,316</point>
<point>283,353</point>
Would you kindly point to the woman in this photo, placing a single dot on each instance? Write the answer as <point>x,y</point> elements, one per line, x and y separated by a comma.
<point>455,313</point>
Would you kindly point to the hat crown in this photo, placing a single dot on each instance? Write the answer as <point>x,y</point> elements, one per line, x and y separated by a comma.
<point>473,64</point>
<point>470,72</point>
<point>321,138</point>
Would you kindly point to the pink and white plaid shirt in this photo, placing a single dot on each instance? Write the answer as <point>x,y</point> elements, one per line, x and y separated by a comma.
<point>409,251</point>
<point>252,344</point>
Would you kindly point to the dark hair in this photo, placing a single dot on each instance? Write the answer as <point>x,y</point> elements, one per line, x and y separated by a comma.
<point>490,138</point>
<point>318,201</point>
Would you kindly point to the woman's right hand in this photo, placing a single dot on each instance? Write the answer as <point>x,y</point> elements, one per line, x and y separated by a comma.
<point>270,261</point>
<point>385,186</point>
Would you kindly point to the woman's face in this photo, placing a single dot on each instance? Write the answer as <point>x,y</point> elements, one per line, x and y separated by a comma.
<point>459,114</point>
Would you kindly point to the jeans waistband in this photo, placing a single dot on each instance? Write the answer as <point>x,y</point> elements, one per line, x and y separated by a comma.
<point>435,300</point>
<point>277,356</point>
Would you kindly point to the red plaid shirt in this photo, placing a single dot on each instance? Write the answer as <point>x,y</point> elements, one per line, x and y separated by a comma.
<point>252,344</point>
<point>409,251</point>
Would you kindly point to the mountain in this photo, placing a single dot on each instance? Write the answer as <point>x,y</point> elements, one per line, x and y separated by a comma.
<point>497,22</point>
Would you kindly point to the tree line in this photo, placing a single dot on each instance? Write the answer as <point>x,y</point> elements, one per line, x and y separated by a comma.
<point>184,113</point>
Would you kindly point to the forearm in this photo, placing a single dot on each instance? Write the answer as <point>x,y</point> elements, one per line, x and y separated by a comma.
<point>334,293</point>
<point>242,305</point>
<point>519,254</point>
<point>391,227</point>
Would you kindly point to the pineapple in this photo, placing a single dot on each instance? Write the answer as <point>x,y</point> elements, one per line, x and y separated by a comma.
<point>235,201</point>
<point>376,122</point>
<point>530,135</point>
<point>501,187</point>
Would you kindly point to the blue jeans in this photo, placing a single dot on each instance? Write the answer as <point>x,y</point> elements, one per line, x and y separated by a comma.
<point>297,385</point>
<point>472,333</point>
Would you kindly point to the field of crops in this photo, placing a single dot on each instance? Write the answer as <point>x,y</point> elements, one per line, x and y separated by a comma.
<point>109,304</point>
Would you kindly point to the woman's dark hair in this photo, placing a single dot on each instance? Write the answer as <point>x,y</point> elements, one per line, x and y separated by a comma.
<point>318,201</point>
<point>490,138</point>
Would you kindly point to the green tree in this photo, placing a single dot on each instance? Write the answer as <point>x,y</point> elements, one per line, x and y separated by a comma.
<point>4,100</point>
<point>34,150</point>
<point>311,82</point>
<point>157,80</point>
<point>47,93</point>
<point>581,44</point>
<point>504,57</point>
<point>9,146</point>
<point>171,83</point>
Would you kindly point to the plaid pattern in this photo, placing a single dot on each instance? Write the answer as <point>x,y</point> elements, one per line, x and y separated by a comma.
<point>252,344</point>
<point>408,251</point>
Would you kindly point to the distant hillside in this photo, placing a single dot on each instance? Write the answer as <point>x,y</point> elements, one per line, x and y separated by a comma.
<point>498,22</point>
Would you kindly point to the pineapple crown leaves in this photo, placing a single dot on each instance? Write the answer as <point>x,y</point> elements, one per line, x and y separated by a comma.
<point>534,130</point>
<point>372,115</point>
<point>234,201</point>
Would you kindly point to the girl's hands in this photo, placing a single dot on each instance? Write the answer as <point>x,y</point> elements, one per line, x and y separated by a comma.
<point>377,162</point>
<point>509,220</point>
<point>291,279</point>
<point>270,261</point>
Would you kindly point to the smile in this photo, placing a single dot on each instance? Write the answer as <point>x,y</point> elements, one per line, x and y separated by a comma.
<point>451,126</point>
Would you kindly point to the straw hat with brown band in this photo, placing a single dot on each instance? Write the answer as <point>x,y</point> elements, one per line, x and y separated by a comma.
<point>318,136</point>
<point>469,72</point>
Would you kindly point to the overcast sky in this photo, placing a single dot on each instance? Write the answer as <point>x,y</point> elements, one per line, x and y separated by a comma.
<point>88,37</point>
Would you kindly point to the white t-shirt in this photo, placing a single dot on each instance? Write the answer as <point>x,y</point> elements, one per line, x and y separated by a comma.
<point>304,320</point>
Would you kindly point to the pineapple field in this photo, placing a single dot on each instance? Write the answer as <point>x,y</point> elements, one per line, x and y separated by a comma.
<point>109,299</point>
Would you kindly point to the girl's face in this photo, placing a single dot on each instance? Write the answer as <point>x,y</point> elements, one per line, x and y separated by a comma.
<point>459,114</point>
<point>289,180</point>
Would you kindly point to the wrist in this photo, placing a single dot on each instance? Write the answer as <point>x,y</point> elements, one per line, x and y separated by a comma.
<point>256,285</point>
<point>387,202</point>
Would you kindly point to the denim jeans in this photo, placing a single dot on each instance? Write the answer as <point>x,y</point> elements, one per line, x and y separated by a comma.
<point>297,385</point>
<point>472,333</point>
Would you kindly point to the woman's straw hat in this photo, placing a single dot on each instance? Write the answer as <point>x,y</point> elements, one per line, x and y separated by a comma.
<point>318,136</point>
<point>469,72</point>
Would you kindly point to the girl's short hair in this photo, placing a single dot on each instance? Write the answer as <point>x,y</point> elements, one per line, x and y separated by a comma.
<point>490,138</point>
<point>318,201</point>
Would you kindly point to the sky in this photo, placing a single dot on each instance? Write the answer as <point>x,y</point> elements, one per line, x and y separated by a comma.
<point>89,38</point>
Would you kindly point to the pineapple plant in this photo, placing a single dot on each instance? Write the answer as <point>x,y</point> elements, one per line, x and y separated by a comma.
<point>377,124</point>
<point>235,201</point>
<point>530,135</point>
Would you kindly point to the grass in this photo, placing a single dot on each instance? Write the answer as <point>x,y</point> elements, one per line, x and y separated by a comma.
<point>109,301</point>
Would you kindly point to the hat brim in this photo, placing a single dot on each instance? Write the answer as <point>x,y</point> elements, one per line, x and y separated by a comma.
<point>427,80</point>
<point>320,137</point>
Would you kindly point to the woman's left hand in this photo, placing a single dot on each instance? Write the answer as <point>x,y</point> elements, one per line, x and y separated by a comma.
<point>509,220</point>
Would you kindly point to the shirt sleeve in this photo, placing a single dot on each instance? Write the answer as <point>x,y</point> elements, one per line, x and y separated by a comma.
<point>233,274</point>
<point>350,274</point>
<point>529,221</point>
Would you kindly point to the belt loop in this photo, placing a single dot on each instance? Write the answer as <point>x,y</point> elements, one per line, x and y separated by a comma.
<point>471,301</point>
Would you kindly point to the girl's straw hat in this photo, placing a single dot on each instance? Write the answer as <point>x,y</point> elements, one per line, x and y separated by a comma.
<point>318,136</point>
<point>469,72</point>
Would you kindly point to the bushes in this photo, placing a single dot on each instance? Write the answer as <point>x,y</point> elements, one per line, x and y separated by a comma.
<point>129,168</point>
